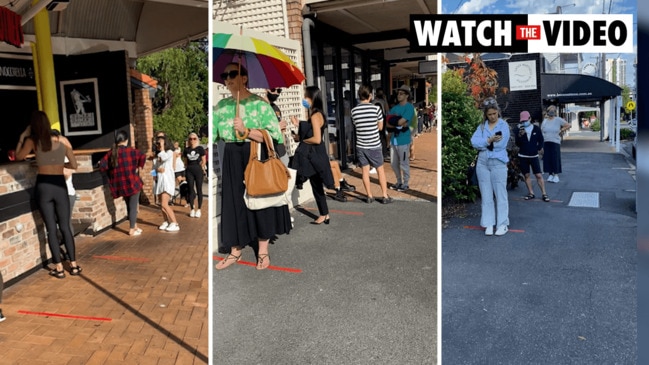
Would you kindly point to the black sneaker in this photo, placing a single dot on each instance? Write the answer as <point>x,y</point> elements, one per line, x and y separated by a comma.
<point>344,186</point>
<point>2,318</point>
<point>340,196</point>
<point>387,200</point>
<point>395,186</point>
<point>403,188</point>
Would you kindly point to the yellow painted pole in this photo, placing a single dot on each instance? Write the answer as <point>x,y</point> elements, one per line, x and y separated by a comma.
<point>37,75</point>
<point>46,66</point>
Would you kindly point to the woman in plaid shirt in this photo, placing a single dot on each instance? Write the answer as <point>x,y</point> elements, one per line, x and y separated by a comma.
<point>122,164</point>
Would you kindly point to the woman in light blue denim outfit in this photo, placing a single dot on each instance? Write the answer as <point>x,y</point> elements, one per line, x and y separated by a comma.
<point>490,139</point>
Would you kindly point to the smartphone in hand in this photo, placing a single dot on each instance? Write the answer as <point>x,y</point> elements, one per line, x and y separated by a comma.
<point>499,133</point>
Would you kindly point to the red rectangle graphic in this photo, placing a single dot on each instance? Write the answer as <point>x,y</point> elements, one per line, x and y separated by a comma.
<point>526,32</point>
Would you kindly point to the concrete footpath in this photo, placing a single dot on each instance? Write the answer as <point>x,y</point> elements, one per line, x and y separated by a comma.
<point>139,300</point>
<point>360,290</point>
<point>560,286</point>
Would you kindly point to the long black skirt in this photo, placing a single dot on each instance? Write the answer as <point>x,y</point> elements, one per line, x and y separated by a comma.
<point>551,158</point>
<point>241,226</point>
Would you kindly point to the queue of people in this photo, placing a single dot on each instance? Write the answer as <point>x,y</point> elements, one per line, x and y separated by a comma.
<point>534,142</point>
<point>122,164</point>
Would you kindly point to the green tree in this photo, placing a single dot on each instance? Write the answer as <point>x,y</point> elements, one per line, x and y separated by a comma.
<point>460,117</point>
<point>181,103</point>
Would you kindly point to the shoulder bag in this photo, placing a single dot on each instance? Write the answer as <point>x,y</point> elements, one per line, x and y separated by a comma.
<point>265,178</point>
<point>471,174</point>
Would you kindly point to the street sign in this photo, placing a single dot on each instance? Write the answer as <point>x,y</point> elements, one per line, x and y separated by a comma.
<point>630,105</point>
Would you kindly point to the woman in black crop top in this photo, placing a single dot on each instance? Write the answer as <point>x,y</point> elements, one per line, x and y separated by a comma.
<point>51,190</point>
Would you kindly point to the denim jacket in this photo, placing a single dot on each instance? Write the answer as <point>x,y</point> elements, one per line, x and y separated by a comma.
<point>482,133</point>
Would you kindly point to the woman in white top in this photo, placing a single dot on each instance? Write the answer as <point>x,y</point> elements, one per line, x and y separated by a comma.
<point>166,185</point>
<point>553,128</point>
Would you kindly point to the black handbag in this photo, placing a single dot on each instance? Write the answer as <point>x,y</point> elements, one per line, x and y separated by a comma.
<point>471,174</point>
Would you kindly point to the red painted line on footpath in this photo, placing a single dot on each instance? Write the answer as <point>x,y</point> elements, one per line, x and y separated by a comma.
<point>68,316</point>
<point>346,212</point>
<point>271,267</point>
<point>478,228</point>
<point>122,258</point>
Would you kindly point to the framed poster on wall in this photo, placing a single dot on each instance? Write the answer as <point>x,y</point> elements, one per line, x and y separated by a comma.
<point>81,114</point>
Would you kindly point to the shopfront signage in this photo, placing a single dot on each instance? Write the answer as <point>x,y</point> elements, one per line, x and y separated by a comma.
<point>17,72</point>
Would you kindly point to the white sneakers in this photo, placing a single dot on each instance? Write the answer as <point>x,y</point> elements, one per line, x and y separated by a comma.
<point>553,178</point>
<point>169,227</point>
<point>501,230</point>
<point>489,231</point>
<point>195,213</point>
<point>198,214</point>
<point>173,227</point>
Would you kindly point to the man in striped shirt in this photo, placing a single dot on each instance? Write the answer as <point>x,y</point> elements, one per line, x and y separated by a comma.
<point>368,120</point>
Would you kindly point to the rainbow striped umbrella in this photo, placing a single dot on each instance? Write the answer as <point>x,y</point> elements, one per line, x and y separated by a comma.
<point>267,66</point>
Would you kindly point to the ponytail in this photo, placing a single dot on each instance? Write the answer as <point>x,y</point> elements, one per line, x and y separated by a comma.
<point>120,137</point>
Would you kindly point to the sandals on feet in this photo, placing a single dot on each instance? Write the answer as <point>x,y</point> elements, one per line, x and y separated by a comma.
<point>529,197</point>
<point>75,270</point>
<point>57,274</point>
<point>231,259</point>
<point>546,198</point>
<point>263,261</point>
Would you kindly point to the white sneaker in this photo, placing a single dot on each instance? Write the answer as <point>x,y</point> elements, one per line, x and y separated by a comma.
<point>489,231</point>
<point>551,178</point>
<point>192,213</point>
<point>501,230</point>
<point>198,214</point>
<point>173,227</point>
<point>556,178</point>
<point>163,226</point>
<point>373,170</point>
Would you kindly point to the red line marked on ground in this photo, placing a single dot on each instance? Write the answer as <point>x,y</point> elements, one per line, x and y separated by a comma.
<point>271,267</point>
<point>347,212</point>
<point>122,258</point>
<point>46,314</point>
<point>478,228</point>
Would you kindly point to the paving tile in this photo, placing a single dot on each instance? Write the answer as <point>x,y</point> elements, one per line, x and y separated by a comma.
<point>126,280</point>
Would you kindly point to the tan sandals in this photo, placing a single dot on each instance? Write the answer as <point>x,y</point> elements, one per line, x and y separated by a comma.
<point>263,261</point>
<point>231,259</point>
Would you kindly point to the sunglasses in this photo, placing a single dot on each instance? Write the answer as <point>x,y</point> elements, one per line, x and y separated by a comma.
<point>232,74</point>
<point>276,90</point>
<point>193,139</point>
<point>489,101</point>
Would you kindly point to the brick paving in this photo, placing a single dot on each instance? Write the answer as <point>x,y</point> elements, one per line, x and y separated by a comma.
<point>423,173</point>
<point>139,300</point>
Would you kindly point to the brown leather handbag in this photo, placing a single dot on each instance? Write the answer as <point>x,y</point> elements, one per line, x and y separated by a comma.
<point>265,177</point>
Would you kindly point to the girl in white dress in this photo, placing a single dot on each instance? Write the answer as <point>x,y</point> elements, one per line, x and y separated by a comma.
<point>166,185</point>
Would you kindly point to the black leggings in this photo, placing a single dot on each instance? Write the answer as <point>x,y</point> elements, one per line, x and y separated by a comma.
<point>194,175</point>
<point>53,201</point>
<point>131,207</point>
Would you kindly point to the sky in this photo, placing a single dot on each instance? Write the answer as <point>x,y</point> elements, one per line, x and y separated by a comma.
<point>550,7</point>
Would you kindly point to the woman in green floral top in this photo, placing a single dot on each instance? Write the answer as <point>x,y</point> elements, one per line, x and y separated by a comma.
<point>240,226</point>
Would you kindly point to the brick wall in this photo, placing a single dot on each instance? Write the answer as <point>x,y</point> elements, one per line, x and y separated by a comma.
<point>143,131</point>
